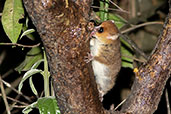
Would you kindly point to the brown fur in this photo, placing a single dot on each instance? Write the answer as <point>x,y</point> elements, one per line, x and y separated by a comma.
<point>108,54</point>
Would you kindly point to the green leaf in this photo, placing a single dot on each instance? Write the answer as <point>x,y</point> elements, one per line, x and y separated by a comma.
<point>13,11</point>
<point>32,57</point>
<point>29,108</point>
<point>37,64</point>
<point>101,12</point>
<point>26,111</point>
<point>48,105</point>
<point>27,32</point>
<point>119,21</point>
<point>125,43</point>
<point>46,76</point>
<point>46,71</point>
<point>25,28</point>
<point>106,13</point>
<point>127,57</point>
<point>26,76</point>
<point>32,86</point>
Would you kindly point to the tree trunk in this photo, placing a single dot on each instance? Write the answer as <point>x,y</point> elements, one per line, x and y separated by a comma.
<point>63,27</point>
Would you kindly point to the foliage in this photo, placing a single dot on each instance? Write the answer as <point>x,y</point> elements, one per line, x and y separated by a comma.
<point>13,13</point>
<point>32,57</point>
<point>46,104</point>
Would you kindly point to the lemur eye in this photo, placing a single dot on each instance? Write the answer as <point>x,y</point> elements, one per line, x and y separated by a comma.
<point>100,30</point>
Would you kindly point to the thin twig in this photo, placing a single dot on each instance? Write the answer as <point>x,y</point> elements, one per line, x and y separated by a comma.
<point>14,103</point>
<point>117,6</point>
<point>9,85</point>
<point>13,84</point>
<point>2,56</point>
<point>134,46</point>
<point>167,102</point>
<point>4,97</point>
<point>7,73</point>
<point>133,8</point>
<point>134,58</point>
<point>120,104</point>
<point>15,100</point>
<point>117,10</point>
<point>131,42</point>
<point>20,45</point>
<point>12,106</point>
<point>140,25</point>
<point>19,106</point>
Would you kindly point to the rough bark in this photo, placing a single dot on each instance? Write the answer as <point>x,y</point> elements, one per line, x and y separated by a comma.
<point>152,76</point>
<point>62,25</point>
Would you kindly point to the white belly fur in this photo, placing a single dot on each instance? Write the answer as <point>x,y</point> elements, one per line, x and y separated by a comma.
<point>100,73</point>
<point>95,46</point>
<point>99,69</point>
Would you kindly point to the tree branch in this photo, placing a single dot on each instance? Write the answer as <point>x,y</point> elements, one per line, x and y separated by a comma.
<point>152,76</point>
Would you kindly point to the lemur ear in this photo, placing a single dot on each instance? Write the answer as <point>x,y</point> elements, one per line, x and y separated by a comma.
<point>113,37</point>
<point>112,21</point>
